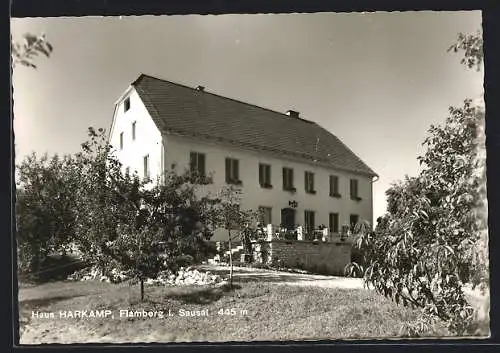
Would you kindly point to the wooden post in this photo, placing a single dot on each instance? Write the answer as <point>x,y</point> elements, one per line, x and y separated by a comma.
<point>230,261</point>
<point>300,233</point>
<point>325,234</point>
<point>269,232</point>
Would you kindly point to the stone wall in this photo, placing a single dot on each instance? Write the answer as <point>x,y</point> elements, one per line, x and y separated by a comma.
<point>315,256</point>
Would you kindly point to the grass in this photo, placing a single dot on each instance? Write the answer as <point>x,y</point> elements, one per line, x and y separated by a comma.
<point>263,312</point>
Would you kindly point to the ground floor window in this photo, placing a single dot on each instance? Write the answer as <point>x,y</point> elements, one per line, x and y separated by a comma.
<point>309,221</point>
<point>353,220</point>
<point>265,215</point>
<point>334,222</point>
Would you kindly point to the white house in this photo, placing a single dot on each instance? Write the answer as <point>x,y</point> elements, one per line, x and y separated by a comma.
<point>293,169</point>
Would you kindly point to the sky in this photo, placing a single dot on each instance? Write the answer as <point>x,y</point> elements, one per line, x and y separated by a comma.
<point>377,81</point>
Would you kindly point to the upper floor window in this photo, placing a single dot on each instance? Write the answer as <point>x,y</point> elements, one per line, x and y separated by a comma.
<point>126,104</point>
<point>288,179</point>
<point>354,190</point>
<point>265,215</point>
<point>309,182</point>
<point>197,163</point>
<point>133,131</point>
<point>121,140</point>
<point>146,166</point>
<point>265,175</point>
<point>334,222</point>
<point>233,171</point>
<point>334,186</point>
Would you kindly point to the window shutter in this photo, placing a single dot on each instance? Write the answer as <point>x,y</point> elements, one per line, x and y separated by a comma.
<point>236,173</point>
<point>192,162</point>
<point>228,170</point>
<point>201,164</point>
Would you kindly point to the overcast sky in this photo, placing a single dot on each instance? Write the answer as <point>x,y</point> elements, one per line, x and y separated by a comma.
<point>377,81</point>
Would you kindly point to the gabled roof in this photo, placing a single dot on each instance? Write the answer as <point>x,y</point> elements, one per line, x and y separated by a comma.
<point>187,111</point>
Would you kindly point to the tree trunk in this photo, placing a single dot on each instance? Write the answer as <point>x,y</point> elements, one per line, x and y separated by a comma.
<point>142,289</point>
<point>230,261</point>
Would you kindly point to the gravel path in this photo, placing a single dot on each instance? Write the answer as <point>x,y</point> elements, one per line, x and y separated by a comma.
<point>246,274</point>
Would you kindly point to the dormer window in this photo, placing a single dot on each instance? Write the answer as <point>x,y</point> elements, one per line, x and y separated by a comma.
<point>126,104</point>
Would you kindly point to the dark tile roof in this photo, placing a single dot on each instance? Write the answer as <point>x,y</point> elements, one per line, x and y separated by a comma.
<point>187,111</point>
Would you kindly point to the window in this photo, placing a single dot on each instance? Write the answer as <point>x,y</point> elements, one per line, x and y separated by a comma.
<point>121,140</point>
<point>133,131</point>
<point>197,163</point>
<point>232,171</point>
<point>265,215</point>
<point>309,182</point>
<point>309,221</point>
<point>354,190</point>
<point>288,179</point>
<point>127,171</point>
<point>146,166</point>
<point>334,222</point>
<point>126,104</point>
<point>265,175</point>
<point>353,220</point>
<point>334,186</point>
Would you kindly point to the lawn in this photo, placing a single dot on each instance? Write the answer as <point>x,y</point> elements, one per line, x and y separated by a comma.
<point>251,312</point>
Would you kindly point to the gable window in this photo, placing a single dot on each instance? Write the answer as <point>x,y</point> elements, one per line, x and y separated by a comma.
<point>309,221</point>
<point>233,171</point>
<point>334,222</point>
<point>133,131</point>
<point>265,214</point>
<point>334,186</point>
<point>353,220</point>
<point>354,190</point>
<point>265,175</point>
<point>146,166</point>
<point>197,163</point>
<point>121,140</point>
<point>309,182</point>
<point>126,104</point>
<point>288,179</point>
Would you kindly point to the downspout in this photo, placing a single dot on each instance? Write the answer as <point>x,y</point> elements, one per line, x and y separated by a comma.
<point>162,160</point>
<point>374,179</point>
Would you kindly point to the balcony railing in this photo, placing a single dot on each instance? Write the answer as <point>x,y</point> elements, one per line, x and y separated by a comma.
<point>297,232</point>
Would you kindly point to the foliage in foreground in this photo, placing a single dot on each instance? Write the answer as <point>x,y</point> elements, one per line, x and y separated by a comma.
<point>433,239</point>
<point>116,220</point>
<point>45,208</point>
<point>32,46</point>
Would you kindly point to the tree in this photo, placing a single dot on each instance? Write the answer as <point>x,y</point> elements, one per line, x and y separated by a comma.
<point>125,225</point>
<point>229,215</point>
<point>45,208</point>
<point>433,238</point>
<point>32,46</point>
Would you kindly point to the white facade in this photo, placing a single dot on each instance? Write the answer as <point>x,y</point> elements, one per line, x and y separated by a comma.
<point>171,149</point>
<point>148,140</point>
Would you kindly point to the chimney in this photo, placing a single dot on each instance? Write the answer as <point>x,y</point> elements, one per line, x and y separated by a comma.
<point>200,88</point>
<point>292,113</point>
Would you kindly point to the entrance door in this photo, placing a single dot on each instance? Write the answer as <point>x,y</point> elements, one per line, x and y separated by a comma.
<point>288,218</point>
